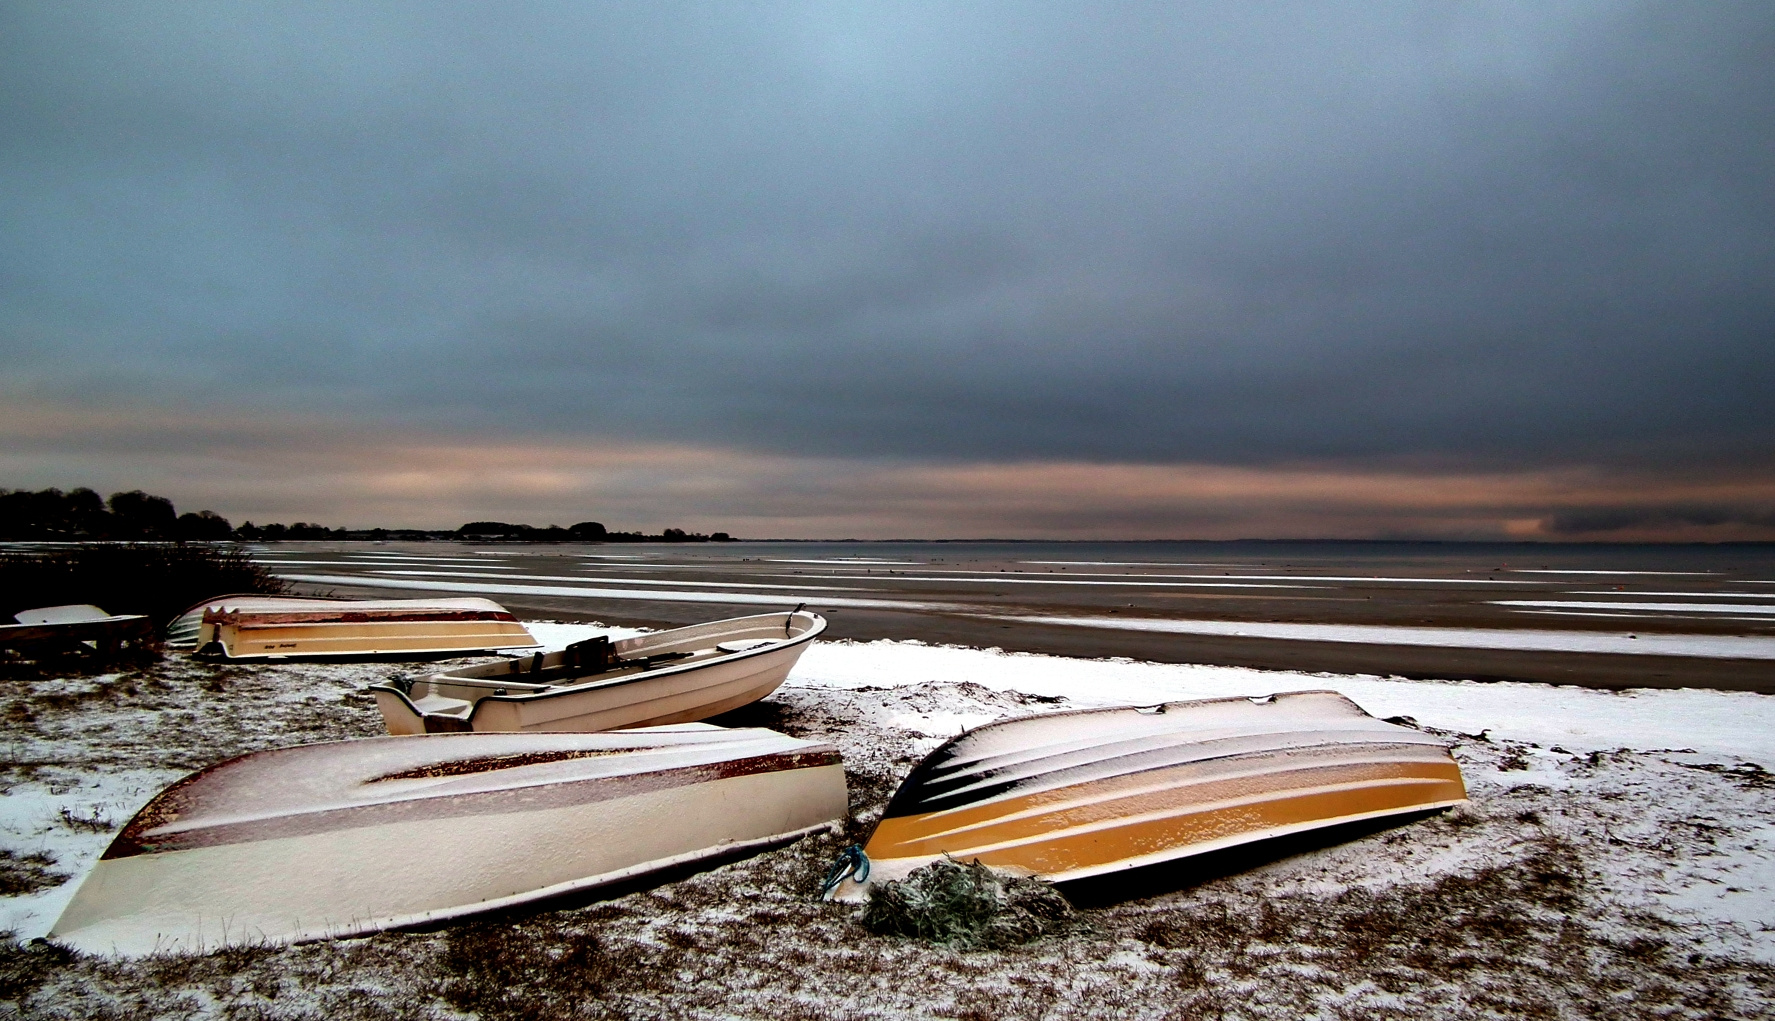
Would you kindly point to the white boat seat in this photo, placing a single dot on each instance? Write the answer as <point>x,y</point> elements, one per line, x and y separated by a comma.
<point>744,644</point>
<point>440,705</point>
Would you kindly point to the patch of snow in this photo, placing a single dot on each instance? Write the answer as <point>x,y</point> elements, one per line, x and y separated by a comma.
<point>1527,570</point>
<point>1693,595</point>
<point>1708,646</point>
<point>558,635</point>
<point>942,726</point>
<point>1598,604</point>
<point>846,560</point>
<point>1000,577</point>
<point>1718,722</point>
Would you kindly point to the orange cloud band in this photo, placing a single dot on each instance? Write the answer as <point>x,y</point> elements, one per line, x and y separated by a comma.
<point>360,475</point>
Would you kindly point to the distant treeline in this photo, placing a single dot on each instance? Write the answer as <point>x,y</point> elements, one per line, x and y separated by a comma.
<point>585,531</point>
<point>81,514</point>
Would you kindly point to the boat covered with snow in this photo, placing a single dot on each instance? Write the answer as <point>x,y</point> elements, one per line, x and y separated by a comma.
<point>1073,795</point>
<point>283,627</point>
<point>676,676</point>
<point>350,837</point>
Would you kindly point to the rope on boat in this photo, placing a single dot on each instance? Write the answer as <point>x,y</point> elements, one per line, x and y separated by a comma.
<point>852,862</point>
<point>791,618</point>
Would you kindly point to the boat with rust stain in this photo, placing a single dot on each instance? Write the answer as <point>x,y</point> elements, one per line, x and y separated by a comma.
<point>350,837</point>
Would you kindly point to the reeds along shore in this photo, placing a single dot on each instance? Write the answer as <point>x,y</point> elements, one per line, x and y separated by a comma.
<point>158,580</point>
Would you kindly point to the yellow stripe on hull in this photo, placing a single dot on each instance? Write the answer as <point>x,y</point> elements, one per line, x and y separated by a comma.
<point>1069,844</point>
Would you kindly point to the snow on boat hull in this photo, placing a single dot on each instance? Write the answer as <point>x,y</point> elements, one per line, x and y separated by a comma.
<point>278,627</point>
<point>677,676</point>
<point>351,837</point>
<point>1073,795</point>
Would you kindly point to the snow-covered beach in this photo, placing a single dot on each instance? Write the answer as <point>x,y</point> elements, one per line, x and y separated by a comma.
<point>1619,848</point>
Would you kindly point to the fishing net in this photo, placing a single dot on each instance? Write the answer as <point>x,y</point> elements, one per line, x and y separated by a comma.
<point>967,906</point>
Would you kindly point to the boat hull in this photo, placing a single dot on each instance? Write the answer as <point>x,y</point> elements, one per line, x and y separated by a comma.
<point>349,866</point>
<point>1076,795</point>
<point>495,699</point>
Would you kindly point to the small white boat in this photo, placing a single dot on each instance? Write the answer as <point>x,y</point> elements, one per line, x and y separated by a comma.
<point>677,676</point>
<point>71,627</point>
<point>350,837</point>
<point>280,627</point>
<point>1069,796</point>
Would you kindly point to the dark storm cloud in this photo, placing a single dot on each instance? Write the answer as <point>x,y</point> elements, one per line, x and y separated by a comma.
<point>1209,232</point>
<point>1592,523</point>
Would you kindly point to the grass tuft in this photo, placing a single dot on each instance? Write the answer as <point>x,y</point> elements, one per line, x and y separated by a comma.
<point>27,873</point>
<point>967,906</point>
<point>95,822</point>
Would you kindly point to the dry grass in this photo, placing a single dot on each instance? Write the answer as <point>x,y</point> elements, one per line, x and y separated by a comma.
<point>22,872</point>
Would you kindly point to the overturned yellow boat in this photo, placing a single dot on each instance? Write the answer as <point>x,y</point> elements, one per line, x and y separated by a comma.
<point>1074,795</point>
<point>284,627</point>
<point>350,837</point>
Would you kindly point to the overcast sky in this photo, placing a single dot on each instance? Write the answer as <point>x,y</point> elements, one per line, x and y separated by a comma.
<point>956,269</point>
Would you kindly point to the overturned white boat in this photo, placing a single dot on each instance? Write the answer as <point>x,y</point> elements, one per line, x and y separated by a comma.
<point>1073,795</point>
<point>281,627</point>
<point>74,627</point>
<point>350,837</point>
<point>676,676</point>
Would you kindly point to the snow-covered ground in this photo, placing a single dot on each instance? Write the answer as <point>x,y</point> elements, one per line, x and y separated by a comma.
<point>1618,845</point>
<point>1663,736</point>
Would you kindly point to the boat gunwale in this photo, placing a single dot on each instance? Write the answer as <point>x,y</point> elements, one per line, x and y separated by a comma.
<point>1119,749</point>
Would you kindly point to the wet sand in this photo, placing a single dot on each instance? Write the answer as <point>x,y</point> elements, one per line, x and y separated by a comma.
<point>959,593</point>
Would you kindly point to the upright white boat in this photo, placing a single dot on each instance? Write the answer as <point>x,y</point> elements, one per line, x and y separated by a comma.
<point>1074,795</point>
<point>677,676</point>
<point>281,627</point>
<point>350,837</point>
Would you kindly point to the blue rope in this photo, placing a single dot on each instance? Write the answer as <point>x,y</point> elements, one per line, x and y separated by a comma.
<point>851,862</point>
